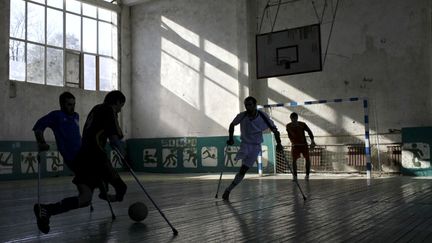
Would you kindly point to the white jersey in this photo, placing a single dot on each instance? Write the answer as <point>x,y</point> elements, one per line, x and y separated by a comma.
<point>251,128</point>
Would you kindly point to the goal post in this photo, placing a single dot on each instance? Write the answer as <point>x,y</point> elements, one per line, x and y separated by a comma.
<point>364,106</point>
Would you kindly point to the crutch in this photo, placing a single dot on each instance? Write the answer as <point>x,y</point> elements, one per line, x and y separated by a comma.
<point>125,163</point>
<point>289,167</point>
<point>223,166</point>
<point>104,187</point>
<point>38,183</point>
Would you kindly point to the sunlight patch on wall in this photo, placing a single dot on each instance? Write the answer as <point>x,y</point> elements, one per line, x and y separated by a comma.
<point>183,32</point>
<point>205,77</point>
<point>331,117</point>
<point>222,79</point>
<point>221,54</point>
<point>220,91</point>
<point>180,72</point>
<point>288,91</point>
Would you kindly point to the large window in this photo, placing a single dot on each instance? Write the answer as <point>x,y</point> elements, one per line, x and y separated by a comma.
<point>63,43</point>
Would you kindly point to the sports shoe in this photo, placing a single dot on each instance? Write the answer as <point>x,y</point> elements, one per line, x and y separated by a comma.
<point>307,177</point>
<point>42,217</point>
<point>225,196</point>
<point>294,178</point>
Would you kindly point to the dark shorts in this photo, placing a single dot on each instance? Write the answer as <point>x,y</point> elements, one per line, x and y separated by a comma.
<point>92,167</point>
<point>297,150</point>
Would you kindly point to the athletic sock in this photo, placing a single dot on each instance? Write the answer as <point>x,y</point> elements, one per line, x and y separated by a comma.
<point>64,205</point>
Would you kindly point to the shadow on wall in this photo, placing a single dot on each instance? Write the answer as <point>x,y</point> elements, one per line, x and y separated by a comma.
<point>361,62</point>
<point>199,91</point>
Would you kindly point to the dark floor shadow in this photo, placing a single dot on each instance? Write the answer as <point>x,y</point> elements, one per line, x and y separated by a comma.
<point>137,227</point>
<point>246,232</point>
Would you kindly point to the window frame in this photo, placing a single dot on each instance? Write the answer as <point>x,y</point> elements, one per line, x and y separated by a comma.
<point>99,4</point>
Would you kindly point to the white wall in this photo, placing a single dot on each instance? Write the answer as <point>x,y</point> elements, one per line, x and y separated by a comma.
<point>378,49</point>
<point>193,63</point>
<point>189,66</point>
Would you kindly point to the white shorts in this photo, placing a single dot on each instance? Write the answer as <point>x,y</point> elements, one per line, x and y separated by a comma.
<point>248,153</point>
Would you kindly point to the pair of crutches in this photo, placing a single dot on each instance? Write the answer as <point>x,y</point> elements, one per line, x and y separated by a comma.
<point>125,163</point>
<point>284,158</point>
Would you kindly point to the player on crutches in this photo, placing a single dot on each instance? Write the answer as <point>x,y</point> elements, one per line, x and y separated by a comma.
<point>296,133</point>
<point>65,125</point>
<point>252,123</point>
<point>92,166</point>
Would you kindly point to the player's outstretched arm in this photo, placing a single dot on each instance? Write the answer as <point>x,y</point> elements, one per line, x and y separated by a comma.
<point>311,136</point>
<point>42,145</point>
<point>276,133</point>
<point>231,134</point>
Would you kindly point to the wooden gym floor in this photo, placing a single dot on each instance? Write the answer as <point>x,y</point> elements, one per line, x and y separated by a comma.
<point>339,208</point>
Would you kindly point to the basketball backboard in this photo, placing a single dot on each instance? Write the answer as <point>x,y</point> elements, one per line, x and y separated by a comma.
<point>290,51</point>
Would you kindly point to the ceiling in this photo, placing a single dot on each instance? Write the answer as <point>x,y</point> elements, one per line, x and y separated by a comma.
<point>134,2</point>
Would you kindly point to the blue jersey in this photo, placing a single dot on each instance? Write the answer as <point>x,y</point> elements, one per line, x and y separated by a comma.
<point>66,131</point>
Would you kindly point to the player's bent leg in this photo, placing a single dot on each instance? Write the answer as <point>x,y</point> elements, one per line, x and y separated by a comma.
<point>120,188</point>
<point>85,195</point>
<point>295,153</point>
<point>307,169</point>
<point>111,176</point>
<point>47,210</point>
<point>237,179</point>
<point>294,169</point>
<point>308,163</point>
<point>103,192</point>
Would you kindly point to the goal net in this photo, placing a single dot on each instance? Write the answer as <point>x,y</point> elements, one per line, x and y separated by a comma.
<point>341,133</point>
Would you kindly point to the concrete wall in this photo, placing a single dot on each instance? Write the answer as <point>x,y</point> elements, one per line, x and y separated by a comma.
<point>194,62</point>
<point>191,63</point>
<point>378,49</point>
<point>4,59</point>
<point>189,66</point>
<point>23,103</point>
<point>125,70</point>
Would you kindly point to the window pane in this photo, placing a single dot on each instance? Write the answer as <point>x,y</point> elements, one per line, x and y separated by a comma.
<point>73,6</point>
<point>105,39</point>
<point>55,3</point>
<point>73,31</point>
<point>55,66</point>
<point>55,27</point>
<point>38,1</point>
<point>114,42</point>
<point>114,18</point>
<point>35,63</point>
<point>17,19</point>
<point>107,74</point>
<point>72,69</point>
<point>36,23</point>
<point>104,14</point>
<point>89,10</point>
<point>16,60</point>
<point>89,72</point>
<point>89,35</point>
